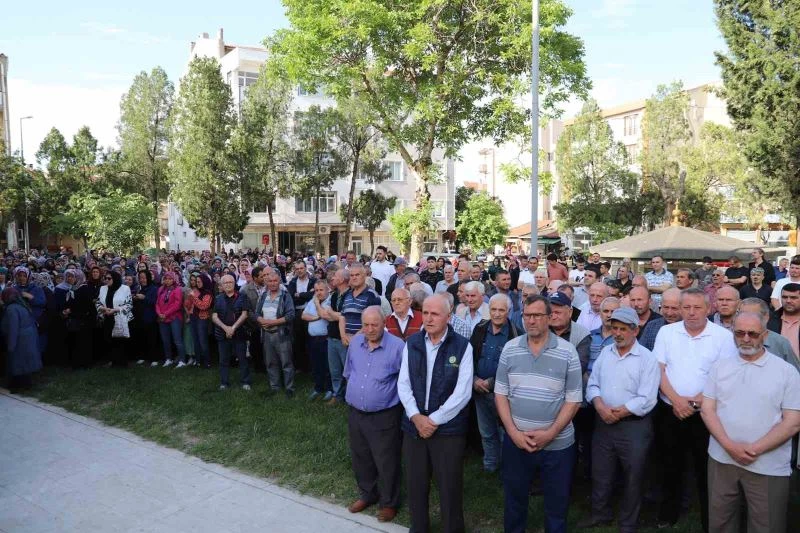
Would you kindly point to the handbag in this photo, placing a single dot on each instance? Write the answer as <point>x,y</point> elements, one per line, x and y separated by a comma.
<point>120,330</point>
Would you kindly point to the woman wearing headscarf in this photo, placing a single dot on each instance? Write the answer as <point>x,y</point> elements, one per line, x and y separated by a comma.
<point>203,300</point>
<point>21,340</point>
<point>188,307</point>
<point>75,314</point>
<point>36,299</point>
<point>144,326</point>
<point>115,301</point>
<point>3,278</point>
<point>169,310</point>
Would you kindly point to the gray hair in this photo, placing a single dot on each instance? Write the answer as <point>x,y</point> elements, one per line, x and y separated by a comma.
<point>451,267</point>
<point>449,297</point>
<point>375,309</point>
<point>763,310</point>
<point>413,275</point>
<point>609,300</point>
<point>475,286</point>
<point>694,291</point>
<point>756,270</point>
<point>689,272</point>
<point>500,297</point>
<point>418,297</point>
<point>369,282</point>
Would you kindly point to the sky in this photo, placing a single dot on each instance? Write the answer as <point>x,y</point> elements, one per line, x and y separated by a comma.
<point>70,68</point>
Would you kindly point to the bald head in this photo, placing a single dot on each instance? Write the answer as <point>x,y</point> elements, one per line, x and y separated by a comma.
<point>727,301</point>
<point>640,300</point>
<point>372,324</point>
<point>671,305</point>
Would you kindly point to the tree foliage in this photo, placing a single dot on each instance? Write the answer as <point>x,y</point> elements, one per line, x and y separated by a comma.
<point>260,149</point>
<point>408,222</point>
<point>203,187</point>
<point>762,90</point>
<point>143,138</point>
<point>318,161</point>
<point>113,221</point>
<point>369,210</point>
<point>432,74</point>
<point>482,224</point>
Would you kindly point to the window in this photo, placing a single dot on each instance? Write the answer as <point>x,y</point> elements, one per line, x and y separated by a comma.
<point>304,92</point>
<point>327,203</point>
<point>632,156</point>
<point>184,234</point>
<point>438,208</point>
<point>631,124</point>
<point>246,79</point>
<point>395,169</point>
<point>355,245</point>
<point>261,207</point>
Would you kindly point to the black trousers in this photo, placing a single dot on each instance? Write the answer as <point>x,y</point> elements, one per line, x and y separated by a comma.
<point>256,352</point>
<point>375,452</point>
<point>677,438</point>
<point>302,360</point>
<point>628,443</point>
<point>443,457</point>
<point>584,429</point>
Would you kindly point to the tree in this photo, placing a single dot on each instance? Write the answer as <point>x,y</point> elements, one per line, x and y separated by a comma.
<point>204,189</point>
<point>432,74</point>
<point>144,135</point>
<point>16,185</point>
<point>595,176</point>
<point>482,223</point>
<point>318,163</point>
<point>84,151</point>
<point>363,150</point>
<point>760,78</point>
<point>54,153</point>
<point>260,150</point>
<point>114,221</point>
<point>408,222</point>
<point>369,210</point>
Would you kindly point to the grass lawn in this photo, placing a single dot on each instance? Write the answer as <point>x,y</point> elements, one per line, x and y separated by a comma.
<point>295,443</point>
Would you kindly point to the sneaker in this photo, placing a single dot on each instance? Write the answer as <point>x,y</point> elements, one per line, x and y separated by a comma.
<point>140,362</point>
<point>327,397</point>
<point>181,364</point>
<point>313,396</point>
<point>191,362</point>
<point>223,387</point>
<point>245,387</point>
<point>168,362</point>
<point>154,364</point>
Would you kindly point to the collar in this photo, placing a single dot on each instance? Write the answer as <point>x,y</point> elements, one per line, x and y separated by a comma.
<point>409,315</point>
<point>760,362</point>
<point>503,329</point>
<point>552,341</point>
<point>441,341</point>
<point>365,343</point>
<point>704,333</point>
<point>635,349</point>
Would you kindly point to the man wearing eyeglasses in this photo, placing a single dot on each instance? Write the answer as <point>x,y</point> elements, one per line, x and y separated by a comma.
<point>403,322</point>
<point>686,351</point>
<point>752,410</point>
<point>538,390</point>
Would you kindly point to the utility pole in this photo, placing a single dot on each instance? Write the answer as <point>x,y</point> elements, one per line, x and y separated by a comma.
<point>535,129</point>
<point>22,156</point>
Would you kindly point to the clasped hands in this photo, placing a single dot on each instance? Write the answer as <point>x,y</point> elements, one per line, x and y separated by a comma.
<point>532,440</point>
<point>425,426</point>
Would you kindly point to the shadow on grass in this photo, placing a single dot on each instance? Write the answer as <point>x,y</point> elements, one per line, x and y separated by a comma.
<point>295,443</point>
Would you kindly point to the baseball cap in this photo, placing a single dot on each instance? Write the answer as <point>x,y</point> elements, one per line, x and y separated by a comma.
<point>559,298</point>
<point>400,261</point>
<point>626,315</point>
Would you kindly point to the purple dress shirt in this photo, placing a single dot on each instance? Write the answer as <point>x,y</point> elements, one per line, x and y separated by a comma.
<point>372,374</point>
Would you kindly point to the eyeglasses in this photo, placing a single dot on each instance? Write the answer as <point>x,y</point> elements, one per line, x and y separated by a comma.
<point>107,278</point>
<point>742,334</point>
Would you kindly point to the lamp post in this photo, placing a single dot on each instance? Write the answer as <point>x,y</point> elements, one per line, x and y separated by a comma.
<point>535,128</point>
<point>22,156</point>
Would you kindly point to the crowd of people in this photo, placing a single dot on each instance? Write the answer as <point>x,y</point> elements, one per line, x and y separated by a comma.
<point>629,380</point>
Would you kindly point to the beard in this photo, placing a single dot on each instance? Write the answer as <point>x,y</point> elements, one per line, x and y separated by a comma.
<point>749,351</point>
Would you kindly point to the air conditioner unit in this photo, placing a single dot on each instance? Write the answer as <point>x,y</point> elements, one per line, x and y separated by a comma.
<point>324,230</point>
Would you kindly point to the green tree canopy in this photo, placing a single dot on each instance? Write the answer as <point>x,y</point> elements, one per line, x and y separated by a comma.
<point>762,90</point>
<point>369,210</point>
<point>482,224</point>
<point>115,221</point>
<point>433,74</point>
<point>203,187</point>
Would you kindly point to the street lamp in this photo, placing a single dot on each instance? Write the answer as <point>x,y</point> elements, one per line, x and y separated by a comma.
<point>21,149</point>
<point>22,156</point>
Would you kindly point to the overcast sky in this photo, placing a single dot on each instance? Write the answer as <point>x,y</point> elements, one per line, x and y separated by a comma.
<point>70,67</point>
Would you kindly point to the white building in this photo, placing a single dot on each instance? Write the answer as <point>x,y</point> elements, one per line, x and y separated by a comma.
<point>294,217</point>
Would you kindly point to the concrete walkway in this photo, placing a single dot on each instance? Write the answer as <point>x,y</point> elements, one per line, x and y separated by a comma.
<point>61,472</point>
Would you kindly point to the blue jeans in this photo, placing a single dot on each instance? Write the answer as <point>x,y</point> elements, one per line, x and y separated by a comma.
<point>237,347</point>
<point>318,349</point>
<point>519,469</point>
<point>337,355</point>
<point>491,430</point>
<point>200,335</point>
<point>172,332</point>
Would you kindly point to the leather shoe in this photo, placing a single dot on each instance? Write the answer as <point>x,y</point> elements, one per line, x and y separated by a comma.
<point>589,523</point>
<point>332,401</point>
<point>386,514</point>
<point>358,506</point>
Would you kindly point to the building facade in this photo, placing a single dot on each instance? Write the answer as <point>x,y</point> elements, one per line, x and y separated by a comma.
<point>294,216</point>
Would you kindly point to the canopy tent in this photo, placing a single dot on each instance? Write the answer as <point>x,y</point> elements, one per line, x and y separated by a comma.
<point>677,243</point>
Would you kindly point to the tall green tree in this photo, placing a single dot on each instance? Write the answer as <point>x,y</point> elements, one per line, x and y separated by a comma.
<point>433,74</point>
<point>369,210</point>
<point>594,173</point>
<point>761,79</point>
<point>318,162</point>
<point>260,148</point>
<point>144,136</point>
<point>408,222</point>
<point>85,152</point>
<point>204,188</point>
<point>113,221</point>
<point>362,148</point>
<point>482,224</point>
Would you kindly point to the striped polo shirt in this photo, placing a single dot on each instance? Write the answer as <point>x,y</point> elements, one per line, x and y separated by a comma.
<point>353,306</point>
<point>537,387</point>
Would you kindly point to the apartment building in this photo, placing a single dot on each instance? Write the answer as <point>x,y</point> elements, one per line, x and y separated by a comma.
<point>294,217</point>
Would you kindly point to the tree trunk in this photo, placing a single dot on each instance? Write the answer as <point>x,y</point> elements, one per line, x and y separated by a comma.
<point>797,232</point>
<point>421,196</point>
<point>213,241</point>
<point>316,223</point>
<point>157,229</point>
<point>372,242</point>
<point>349,221</point>
<point>273,243</point>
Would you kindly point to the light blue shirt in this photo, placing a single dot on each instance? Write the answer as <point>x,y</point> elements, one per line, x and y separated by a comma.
<point>317,328</point>
<point>631,380</point>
